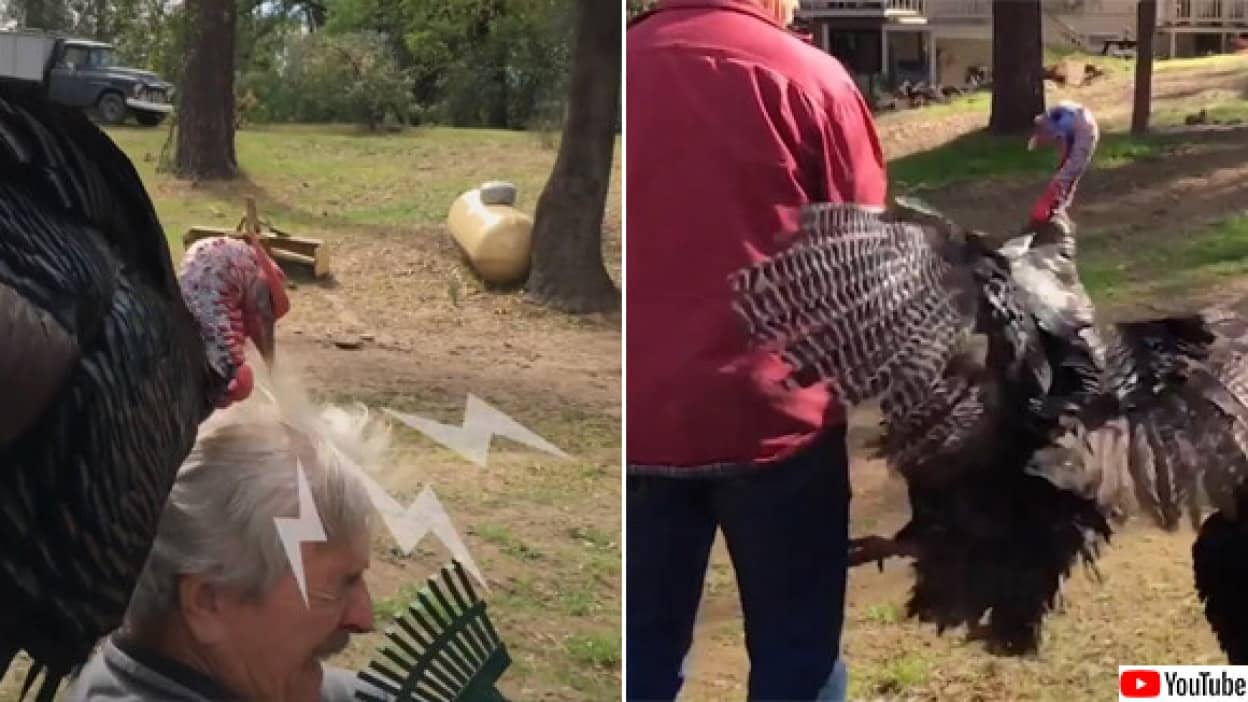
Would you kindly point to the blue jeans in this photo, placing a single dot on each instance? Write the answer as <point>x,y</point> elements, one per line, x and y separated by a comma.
<point>787,531</point>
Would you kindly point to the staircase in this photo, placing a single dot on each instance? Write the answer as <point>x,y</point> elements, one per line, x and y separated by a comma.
<point>1058,33</point>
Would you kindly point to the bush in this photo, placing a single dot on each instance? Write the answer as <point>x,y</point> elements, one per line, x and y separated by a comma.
<point>348,77</point>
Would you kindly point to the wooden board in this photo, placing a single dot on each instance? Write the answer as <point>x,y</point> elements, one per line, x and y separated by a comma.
<point>309,253</point>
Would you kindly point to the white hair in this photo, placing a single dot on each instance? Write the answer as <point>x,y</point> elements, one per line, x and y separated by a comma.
<point>241,474</point>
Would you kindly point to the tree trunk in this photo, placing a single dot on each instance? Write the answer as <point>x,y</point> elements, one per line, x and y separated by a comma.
<point>1017,66</point>
<point>567,269</point>
<point>205,129</point>
<point>1146,28</point>
<point>499,110</point>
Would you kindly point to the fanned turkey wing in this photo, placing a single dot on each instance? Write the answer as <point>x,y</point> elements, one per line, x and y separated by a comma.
<point>879,308</point>
<point>1183,383</point>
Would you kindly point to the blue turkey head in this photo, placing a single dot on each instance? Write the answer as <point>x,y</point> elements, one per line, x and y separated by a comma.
<point>1057,127</point>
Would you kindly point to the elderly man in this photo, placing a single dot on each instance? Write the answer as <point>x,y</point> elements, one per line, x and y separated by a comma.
<point>218,613</point>
<point>734,123</point>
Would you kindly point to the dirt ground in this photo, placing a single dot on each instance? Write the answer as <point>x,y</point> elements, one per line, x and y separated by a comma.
<point>544,531</point>
<point>1145,611</point>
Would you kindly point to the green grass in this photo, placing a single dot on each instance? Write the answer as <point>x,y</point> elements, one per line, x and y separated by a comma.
<point>1198,63</point>
<point>1122,271</point>
<point>892,679</point>
<point>387,608</point>
<point>594,650</point>
<point>1110,64</point>
<point>591,537</point>
<point>978,102</point>
<point>981,155</point>
<point>1114,65</point>
<point>316,177</point>
<point>883,613</point>
<point>502,537</point>
<point>1228,111</point>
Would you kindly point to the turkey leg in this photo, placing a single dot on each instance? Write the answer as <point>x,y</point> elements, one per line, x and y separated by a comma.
<point>876,548</point>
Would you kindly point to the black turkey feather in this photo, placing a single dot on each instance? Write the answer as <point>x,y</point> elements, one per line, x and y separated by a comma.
<point>1022,450</point>
<point>1222,577</point>
<point>107,373</point>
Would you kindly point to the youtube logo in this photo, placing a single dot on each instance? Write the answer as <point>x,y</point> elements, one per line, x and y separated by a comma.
<point>1140,683</point>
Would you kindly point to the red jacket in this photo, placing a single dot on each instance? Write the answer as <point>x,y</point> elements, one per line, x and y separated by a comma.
<point>733,123</point>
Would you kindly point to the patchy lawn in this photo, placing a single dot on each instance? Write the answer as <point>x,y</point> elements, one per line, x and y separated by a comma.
<point>981,155</point>
<point>940,137</point>
<point>545,531</point>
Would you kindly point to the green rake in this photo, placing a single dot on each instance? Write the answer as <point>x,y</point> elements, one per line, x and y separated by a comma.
<point>443,649</point>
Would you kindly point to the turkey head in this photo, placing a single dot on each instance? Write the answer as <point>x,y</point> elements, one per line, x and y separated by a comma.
<point>236,292</point>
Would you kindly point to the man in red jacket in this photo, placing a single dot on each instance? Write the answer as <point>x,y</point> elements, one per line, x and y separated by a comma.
<point>732,124</point>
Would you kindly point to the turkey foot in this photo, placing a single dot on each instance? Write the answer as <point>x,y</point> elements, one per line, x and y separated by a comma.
<point>875,548</point>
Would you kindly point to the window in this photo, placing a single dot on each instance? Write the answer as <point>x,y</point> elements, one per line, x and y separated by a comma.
<point>74,56</point>
<point>102,58</point>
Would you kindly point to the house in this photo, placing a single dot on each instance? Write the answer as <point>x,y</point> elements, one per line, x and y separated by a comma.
<point>884,42</point>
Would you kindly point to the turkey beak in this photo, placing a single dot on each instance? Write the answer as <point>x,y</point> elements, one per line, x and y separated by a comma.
<point>1038,134</point>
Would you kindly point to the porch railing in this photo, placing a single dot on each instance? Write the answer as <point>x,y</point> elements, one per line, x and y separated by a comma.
<point>1209,11</point>
<point>959,9</point>
<point>881,7</point>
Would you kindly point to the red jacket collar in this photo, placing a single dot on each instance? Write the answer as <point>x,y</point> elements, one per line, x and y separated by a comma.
<point>742,6</point>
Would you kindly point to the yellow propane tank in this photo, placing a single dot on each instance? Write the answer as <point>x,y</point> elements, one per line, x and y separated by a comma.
<point>492,234</point>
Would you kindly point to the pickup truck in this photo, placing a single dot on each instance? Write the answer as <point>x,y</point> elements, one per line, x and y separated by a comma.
<point>85,74</point>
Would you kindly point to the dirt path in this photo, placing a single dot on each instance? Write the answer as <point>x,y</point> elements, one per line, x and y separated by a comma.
<point>1203,179</point>
<point>424,329</point>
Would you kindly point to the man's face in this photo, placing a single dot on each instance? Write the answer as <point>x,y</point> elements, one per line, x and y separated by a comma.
<point>279,642</point>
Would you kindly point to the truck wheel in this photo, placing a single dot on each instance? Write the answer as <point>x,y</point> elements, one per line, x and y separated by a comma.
<point>112,108</point>
<point>149,119</point>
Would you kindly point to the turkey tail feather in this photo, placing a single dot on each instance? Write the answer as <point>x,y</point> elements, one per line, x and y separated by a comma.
<point>993,552</point>
<point>1184,385</point>
<point>1221,575</point>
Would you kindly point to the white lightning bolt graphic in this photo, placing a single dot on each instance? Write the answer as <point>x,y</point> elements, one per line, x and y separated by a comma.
<point>410,525</point>
<point>305,527</point>
<point>425,515</point>
<point>481,423</point>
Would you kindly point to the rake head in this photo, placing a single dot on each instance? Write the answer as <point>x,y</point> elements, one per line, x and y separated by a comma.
<point>442,649</point>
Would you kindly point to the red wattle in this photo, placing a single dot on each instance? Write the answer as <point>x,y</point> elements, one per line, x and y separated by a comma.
<point>244,381</point>
<point>1043,208</point>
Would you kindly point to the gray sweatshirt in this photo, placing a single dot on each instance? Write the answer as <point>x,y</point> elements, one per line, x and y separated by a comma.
<point>120,672</point>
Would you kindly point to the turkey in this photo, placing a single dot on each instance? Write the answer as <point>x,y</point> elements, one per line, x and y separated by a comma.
<point>1024,432</point>
<point>109,363</point>
<point>1167,435</point>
